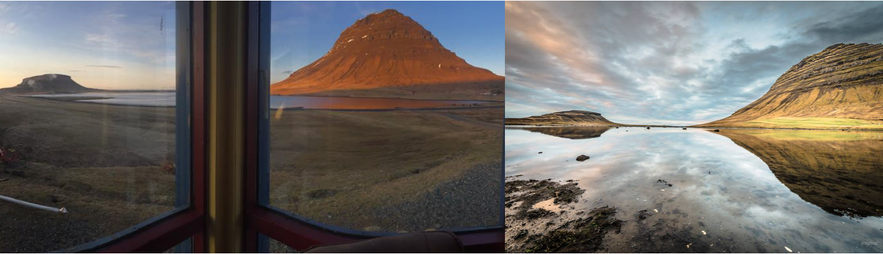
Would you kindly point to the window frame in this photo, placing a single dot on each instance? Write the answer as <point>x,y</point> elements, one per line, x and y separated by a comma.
<point>186,225</point>
<point>263,220</point>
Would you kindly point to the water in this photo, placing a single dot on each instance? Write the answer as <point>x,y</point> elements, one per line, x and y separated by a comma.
<point>749,190</point>
<point>139,99</point>
<point>276,101</point>
<point>309,102</point>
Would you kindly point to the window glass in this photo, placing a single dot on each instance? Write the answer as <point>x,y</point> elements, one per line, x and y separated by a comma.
<point>387,116</point>
<point>87,120</point>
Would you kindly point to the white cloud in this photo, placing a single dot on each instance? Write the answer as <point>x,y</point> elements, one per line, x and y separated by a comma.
<point>8,28</point>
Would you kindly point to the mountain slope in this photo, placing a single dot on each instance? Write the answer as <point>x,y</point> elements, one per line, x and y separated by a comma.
<point>572,117</point>
<point>391,52</point>
<point>47,84</point>
<point>842,86</point>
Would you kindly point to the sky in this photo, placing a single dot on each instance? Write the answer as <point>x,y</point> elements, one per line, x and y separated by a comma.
<point>106,45</point>
<point>672,63</point>
<point>131,45</point>
<point>302,32</point>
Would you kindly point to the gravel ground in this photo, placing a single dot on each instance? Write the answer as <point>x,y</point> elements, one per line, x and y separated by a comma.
<point>473,200</point>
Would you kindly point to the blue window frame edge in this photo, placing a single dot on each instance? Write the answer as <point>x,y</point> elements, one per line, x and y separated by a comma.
<point>263,185</point>
<point>183,86</point>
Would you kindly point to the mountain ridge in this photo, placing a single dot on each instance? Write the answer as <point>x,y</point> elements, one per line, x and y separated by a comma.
<point>570,117</point>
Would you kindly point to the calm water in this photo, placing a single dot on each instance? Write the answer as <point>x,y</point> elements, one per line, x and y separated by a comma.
<point>749,190</point>
<point>307,102</point>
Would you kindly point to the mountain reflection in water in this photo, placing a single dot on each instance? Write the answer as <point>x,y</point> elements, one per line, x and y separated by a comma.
<point>733,190</point>
<point>576,132</point>
<point>841,172</point>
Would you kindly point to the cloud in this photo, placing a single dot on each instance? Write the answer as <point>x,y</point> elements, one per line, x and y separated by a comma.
<point>658,63</point>
<point>8,28</point>
<point>147,37</point>
<point>104,66</point>
<point>287,72</point>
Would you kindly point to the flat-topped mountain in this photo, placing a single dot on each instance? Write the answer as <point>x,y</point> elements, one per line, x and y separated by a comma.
<point>388,54</point>
<point>838,87</point>
<point>47,84</point>
<point>572,117</point>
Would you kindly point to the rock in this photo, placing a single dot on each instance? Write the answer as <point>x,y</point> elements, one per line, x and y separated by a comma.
<point>648,128</point>
<point>717,130</point>
<point>541,153</point>
<point>582,158</point>
<point>685,128</point>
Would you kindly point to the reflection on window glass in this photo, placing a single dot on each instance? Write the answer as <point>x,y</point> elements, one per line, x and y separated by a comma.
<point>377,124</point>
<point>87,120</point>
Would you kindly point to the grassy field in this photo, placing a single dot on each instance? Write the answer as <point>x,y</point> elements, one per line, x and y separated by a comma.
<point>103,163</point>
<point>371,170</point>
<point>814,123</point>
<point>814,135</point>
<point>341,167</point>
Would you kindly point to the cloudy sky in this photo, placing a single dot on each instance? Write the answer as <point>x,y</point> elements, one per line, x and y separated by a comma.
<point>666,62</point>
<point>302,32</point>
<point>112,45</point>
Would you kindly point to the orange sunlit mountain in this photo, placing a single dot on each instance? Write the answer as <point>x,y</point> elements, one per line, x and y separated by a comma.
<point>388,54</point>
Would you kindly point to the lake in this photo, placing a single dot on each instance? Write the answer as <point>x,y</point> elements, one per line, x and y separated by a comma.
<point>276,101</point>
<point>749,190</point>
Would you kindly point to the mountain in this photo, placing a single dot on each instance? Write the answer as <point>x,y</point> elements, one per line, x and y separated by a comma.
<point>388,54</point>
<point>47,84</point>
<point>838,87</point>
<point>572,117</point>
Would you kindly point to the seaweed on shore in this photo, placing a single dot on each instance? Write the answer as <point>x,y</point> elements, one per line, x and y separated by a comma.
<point>533,229</point>
<point>581,235</point>
<point>536,191</point>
